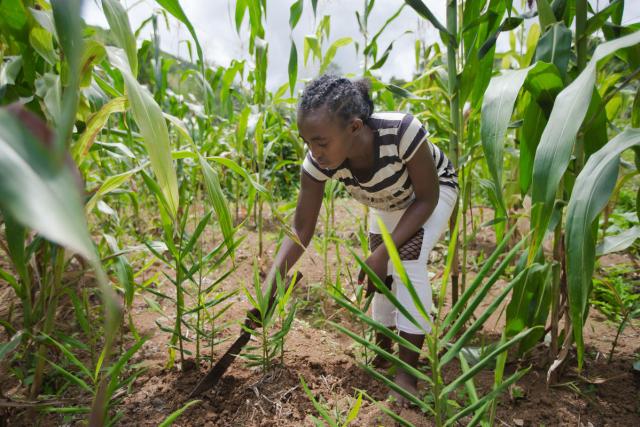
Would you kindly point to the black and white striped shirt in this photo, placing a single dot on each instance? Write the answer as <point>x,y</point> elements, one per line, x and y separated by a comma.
<point>397,137</point>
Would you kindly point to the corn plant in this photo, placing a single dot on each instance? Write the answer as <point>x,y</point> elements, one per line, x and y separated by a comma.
<point>573,116</point>
<point>39,187</point>
<point>87,378</point>
<point>615,298</point>
<point>447,338</point>
<point>274,320</point>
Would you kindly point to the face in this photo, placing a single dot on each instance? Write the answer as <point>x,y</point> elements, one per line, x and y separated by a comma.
<point>328,138</point>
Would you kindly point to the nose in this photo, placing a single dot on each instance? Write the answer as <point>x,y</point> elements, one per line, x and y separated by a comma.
<point>317,154</point>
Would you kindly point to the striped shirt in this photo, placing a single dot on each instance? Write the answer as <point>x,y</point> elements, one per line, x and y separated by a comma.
<point>397,137</point>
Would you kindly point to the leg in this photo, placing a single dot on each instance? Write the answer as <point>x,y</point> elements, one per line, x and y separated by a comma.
<point>383,312</point>
<point>385,343</point>
<point>403,378</point>
<point>415,255</point>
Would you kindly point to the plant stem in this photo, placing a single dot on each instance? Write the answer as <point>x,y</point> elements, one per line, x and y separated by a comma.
<point>620,328</point>
<point>51,306</point>
<point>452,23</point>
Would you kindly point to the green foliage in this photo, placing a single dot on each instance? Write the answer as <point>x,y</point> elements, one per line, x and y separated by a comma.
<point>442,343</point>
<point>550,125</point>
<point>274,320</point>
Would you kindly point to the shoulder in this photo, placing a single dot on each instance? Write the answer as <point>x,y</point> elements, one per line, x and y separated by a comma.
<point>385,120</point>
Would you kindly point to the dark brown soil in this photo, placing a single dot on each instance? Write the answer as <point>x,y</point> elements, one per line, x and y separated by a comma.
<point>603,394</point>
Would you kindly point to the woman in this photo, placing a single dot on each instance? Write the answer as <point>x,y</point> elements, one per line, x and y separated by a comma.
<point>385,162</point>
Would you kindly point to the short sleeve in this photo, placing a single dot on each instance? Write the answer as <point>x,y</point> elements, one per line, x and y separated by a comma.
<point>311,168</point>
<point>412,134</point>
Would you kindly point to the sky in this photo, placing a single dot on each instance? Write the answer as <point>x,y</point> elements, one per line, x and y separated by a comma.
<point>213,21</point>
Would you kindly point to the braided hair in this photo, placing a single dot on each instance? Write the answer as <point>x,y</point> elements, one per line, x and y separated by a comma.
<point>343,98</point>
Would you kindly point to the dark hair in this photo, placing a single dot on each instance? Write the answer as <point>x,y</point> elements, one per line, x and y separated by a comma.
<point>343,98</point>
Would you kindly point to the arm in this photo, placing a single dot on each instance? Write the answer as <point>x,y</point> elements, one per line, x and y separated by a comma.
<point>306,216</point>
<point>424,178</point>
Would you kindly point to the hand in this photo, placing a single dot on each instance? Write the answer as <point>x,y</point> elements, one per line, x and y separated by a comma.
<point>377,262</point>
<point>252,320</point>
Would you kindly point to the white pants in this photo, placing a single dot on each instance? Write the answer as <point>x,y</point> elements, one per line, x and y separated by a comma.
<point>383,310</point>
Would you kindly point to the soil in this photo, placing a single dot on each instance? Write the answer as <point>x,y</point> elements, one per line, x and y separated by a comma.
<point>603,394</point>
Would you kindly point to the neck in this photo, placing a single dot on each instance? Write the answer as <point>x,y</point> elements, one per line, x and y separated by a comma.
<point>363,150</point>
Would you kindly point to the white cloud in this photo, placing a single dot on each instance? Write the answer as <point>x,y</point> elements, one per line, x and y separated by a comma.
<point>214,24</point>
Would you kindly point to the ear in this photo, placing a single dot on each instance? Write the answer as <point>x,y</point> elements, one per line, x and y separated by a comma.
<point>356,125</point>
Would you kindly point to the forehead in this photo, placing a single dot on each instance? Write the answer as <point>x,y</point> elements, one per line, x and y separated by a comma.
<point>316,122</point>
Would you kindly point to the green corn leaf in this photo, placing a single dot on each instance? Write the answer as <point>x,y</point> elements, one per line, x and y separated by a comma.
<point>116,369</point>
<point>295,11</point>
<point>293,67</point>
<point>219,202</point>
<point>557,141</point>
<point>73,378</point>
<point>241,8</point>
<point>375,325</point>
<point>497,108</point>
<point>534,122</point>
<point>401,391</point>
<point>545,14</point>
<point>554,47</point>
<point>45,19</point>
<point>7,347</point>
<point>110,184</point>
<point>479,322</point>
<point>591,193</point>
<point>482,363</point>
<point>382,288</point>
<point>323,412</point>
<point>484,271</point>
<point>37,192</point>
<point>42,42</point>
<point>70,356</point>
<point>174,8</point>
<point>510,23</point>
<point>331,52</point>
<point>68,24</point>
<point>375,37</point>
<point>155,133</point>
<point>619,242</point>
<point>311,45</point>
<point>196,233</point>
<point>242,172</point>
<point>399,268</point>
<point>487,398</point>
<point>597,21</point>
<point>530,303</point>
<point>121,29</point>
<point>94,126</point>
<point>425,12</point>
<point>174,415</point>
<point>353,413</point>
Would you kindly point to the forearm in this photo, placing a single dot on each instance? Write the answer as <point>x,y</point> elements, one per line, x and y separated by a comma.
<point>288,254</point>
